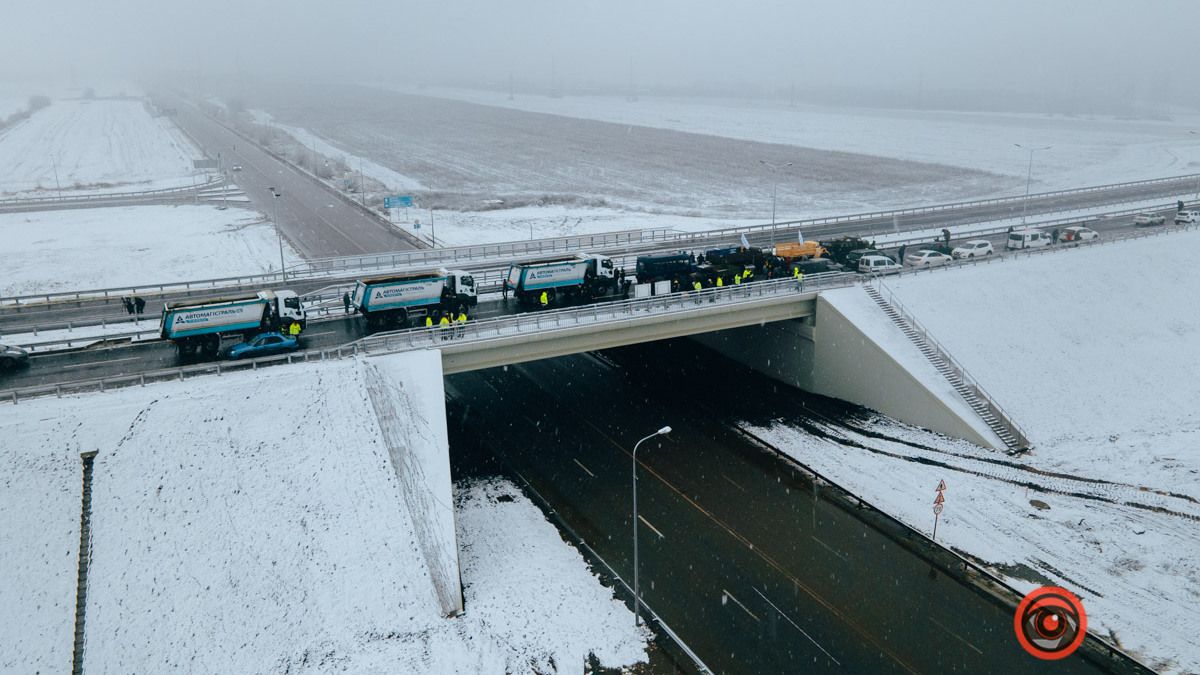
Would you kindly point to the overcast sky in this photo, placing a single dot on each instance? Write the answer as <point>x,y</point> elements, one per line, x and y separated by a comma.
<point>1097,46</point>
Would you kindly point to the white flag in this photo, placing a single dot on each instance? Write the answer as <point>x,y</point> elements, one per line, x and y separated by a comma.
<point>745,244</point>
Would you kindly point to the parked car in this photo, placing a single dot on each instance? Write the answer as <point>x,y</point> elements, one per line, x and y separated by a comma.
<point>237,167</point>
<point>1076,234</point>
<point>264,344</point>
<point>816,266</point>
<point>12,358</point>
<point>1027,237</point>
<point>1187,217</point>
<point>926,258</point>
<point>1143,219</point>
<point>972,248</point>
<point>878,264</point>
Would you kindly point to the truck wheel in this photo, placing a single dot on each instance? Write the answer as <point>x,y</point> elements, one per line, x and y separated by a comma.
<point>211,345</point>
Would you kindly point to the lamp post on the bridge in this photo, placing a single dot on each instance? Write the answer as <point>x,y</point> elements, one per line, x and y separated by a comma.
<point>774,181</point>
<point>279,233</point>
<point>1029,176</point>
<point>637,599</point>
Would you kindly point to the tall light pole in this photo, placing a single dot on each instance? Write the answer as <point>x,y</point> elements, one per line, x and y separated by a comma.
<point>279,233</point>
<point>1029,176</point>
<point>637,599</point>
<point>774,181</point>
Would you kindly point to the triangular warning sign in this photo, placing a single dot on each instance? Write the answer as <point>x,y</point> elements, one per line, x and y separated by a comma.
<point>940,498</point>
<point>941,485</point>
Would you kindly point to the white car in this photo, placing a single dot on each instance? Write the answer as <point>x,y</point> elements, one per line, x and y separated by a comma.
<point>1027,237</point>
<point>1142,219</point>
<point>926,259</point>
<point>237,167</point>
<point>1076,234</point>
<point>1187,217</point>
<point>878,264</point>
<point>972,249</point>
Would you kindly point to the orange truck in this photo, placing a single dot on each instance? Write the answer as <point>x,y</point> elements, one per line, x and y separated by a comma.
<point>799,250</point>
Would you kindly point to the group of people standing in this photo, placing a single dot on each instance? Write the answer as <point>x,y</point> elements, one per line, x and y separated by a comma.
<point>449,324</point>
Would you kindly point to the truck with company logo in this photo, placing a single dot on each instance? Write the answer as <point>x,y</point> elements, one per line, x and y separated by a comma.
<point>198,325</point>
<point>562,280</point>
<point>396,301</point>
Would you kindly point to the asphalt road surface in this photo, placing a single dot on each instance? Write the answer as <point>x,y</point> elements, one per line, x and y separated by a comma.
<point>754,568</point>
<point>314,220</point>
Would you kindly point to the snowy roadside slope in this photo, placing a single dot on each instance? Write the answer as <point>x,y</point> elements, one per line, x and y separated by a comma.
<point>98,145</point>
<point>39,539</point>
<point>1095,351</point>
<point>1134,568</point>
<point>52,251</point>
<point>253,523</point>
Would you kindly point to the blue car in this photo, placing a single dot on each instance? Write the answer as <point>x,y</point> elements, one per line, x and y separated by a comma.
<point>264,344</point>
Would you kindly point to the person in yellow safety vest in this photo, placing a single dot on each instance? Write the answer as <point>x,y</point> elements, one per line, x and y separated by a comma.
<point>796,273</point>
<point>462,323</point>
<point>696,285</point>
<point>737,279</point>
<point>747,274</point>
<point>720,282</point>
<point>429,321</point>
<point>294,329</point>
<point>544,299</point>
<point>444,326</point>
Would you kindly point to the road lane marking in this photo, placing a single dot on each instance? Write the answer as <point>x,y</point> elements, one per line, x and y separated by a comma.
<point>324,332</point>
<point>647,524</point>
<point>774,564</point>
<point>93,363</point>
<point>734,484</point>
<point>739,604</point>
<point>797,627</point>
<point>956,636</point>
<point>829,548</point>
<point>583,467</point>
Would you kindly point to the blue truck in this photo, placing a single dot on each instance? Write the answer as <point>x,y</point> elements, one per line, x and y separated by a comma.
<point>198,325</point>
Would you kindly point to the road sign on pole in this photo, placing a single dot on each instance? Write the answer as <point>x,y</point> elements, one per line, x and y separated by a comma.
<point>397,201</point>
<point>938,504</point>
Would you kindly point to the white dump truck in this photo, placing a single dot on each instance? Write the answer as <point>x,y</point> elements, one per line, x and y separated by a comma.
<point>577,277</point>
<point>399,300</point>
<point>199,325</point>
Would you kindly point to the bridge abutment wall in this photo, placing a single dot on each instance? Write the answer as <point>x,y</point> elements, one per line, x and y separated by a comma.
<point>830,355</point>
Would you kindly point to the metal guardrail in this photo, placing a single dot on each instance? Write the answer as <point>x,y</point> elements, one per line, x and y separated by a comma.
<point>966,565</point>
<point>518,249</point>
<point>111,196</point>
<point>480,331</point>
<point>960,371</point>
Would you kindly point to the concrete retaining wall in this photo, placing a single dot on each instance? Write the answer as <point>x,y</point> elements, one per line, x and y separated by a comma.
<point>829,355</point>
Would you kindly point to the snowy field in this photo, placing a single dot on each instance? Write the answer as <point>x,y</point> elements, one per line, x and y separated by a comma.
<point>94,146</point>
<point>213,522</point>
<point>470,156</point>
<point>50,251</point>
<point>1085,149</point>
<point>1101,369</point>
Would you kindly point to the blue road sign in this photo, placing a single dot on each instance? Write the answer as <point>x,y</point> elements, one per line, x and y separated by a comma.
<point>397,202</point>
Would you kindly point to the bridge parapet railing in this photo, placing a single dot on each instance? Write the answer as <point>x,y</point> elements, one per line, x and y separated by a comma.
<point>475,331</point>
<point>113,196</point>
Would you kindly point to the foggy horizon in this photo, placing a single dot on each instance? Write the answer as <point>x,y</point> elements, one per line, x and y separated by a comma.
<point>1073,57</point>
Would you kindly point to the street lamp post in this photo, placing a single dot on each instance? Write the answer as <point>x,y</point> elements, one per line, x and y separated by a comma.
<point>279,233</point>
<point>1029,176</point>
<point>774,181</point>
<point>637,598</point>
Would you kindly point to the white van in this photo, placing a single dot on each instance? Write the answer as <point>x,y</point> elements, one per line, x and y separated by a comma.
<point>1027,237</point>
<point>878,264</point>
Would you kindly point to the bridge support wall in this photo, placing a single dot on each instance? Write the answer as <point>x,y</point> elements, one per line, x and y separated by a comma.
<point>828,354</point>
